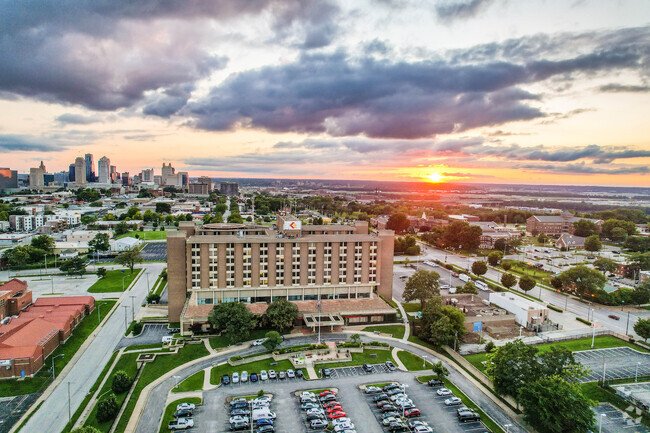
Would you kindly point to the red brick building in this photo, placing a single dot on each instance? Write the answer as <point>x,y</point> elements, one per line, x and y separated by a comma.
<point>555,224</point>
<point>14,297</point>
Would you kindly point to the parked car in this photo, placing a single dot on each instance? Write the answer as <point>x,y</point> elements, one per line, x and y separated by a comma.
<point>291,374</point>
<point>183,413</point>
<point>254,377</point>
<point>244,376</point>
<point>372,390</point>
<point>190,406</point>
<point>334,415</point>
<point>329,404</point>
<point>225,379</point>
<point>240,405</point>
<point>266,429</point>
<point>313,416</point>
<point>467,415</point>
<point>282,375</point>
<point>332,409</point>
<point>181,424</point>
<point>413,423</point>
<point>380,397</point>
<point>326,392</point>
<point>390,366</point>
<point>238,418</point>
<point>316,410</point>
<point>388,408</point>
<point>328,398</point>
<point>264,421</point>
<point>422,429</point>
<point>272,374</point>
<point>259,342</point>
<point>239,426</point>
<point>444,391</point>
<point>435,382</point>
<point>413,412</point>
<point>241,412</point>
<point>453,401</point>
<point>264,375</point>
<point>235,378</point>
<point>390,386</point>
<point>299,374</point>
<point>308,405</point>
<point>389,420</point>
<point>318,424</point>
<point>397,427</point>
<point>238,400</point>
<point>326,372</point>
<point>367,367</point>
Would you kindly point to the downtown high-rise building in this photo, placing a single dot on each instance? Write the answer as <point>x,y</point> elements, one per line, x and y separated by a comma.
<point>104,170</point>
<point>90,167</point>
<point>80,170</point>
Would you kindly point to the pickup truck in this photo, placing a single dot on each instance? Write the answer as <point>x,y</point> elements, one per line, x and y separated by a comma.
<point>181,424</point>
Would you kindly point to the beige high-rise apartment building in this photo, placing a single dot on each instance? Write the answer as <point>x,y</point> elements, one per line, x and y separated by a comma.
<point>104,170</point>
<point>80,171</point>
<point>36,179</point>
<point>342,266</point>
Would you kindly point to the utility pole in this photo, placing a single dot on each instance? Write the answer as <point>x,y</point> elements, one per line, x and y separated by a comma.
<point>125,325</point>
<point>69,408</point>
<point>627,325</point>
<point>132,308</point>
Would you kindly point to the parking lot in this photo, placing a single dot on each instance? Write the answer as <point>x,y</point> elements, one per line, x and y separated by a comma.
<point>639,392</point>
<point>154,251</point>
<point>615,420</point>
<point>357,371</point>
<point>150,334</point>
<point>617,362</point>
<point>306,427</point>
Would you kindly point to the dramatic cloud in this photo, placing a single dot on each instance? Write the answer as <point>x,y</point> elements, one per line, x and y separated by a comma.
<point>615,88</point>
<point>169,101</point>
<point>583,168</point>
<point>454,9</point>
<point>339,95</point>
<point>76,119</point>
<point>106,55</point>
<point>27,143</point>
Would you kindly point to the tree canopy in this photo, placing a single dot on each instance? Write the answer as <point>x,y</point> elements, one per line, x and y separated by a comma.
<point>421,286</point>
<point>281,314</point>
<point>440,324</point>
<point>508,280</point>
<point>642,327</point>
<point>494,258</point>
<point>43,242</point>
<point>232,319</point>
<point>129,258</point>
<point>479,268</point>
<point>99,242</point>
<point>592,243</point>
<point>398,221</point>
<point>585,228</point>
<point>272,340</point>
<point>526,283</point>
<point>583,279</point>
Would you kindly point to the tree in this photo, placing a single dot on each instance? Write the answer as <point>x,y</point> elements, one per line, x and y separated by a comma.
<point>642,327</point>
<point>129,258</point>
<point>439,370</point>
<point>618,234</point>
<point>355,338</point>
<point>440,324</point>
<point>494,258</point>
<point>556,283</point>
<point>552,404</point>
<point>398,222</point>
<point>609,225</point>
<point>101,272</point>
<point>99,243</point>
<point>107,408</point>
<point>479,268</point>
<point>122,229</point>
<point>639,261</point>
<point>585,228</point>
<point>121,382</point>
<point>421,286</point>
<point>583,279</point>
<point>281,314</point>
<point>43,242</point>
<point>603,264</point>
<point>85,429</point>
<point>526,283</point>
<point>75,266</point>
<point>508,280</point>
<point>559,361</point>
<point>506,266</point>
<point>592,243</point>
<point>469,287</point>
<point>512,366</point>
<point>542,238</point>
<point>235,218</point>
<point>639,244</point>
<point>232,319</point>
<point>273,340</point>
<point>163,207</point>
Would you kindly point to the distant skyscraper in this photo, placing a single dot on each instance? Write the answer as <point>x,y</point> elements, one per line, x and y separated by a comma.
<point>229,188</point>
<point>71,176</point>
<point>90,167</point>
<point>104,167</point>
<point>147,175</point>
<point>36,179</point>
<point>42,167</point>
<point>125,178</point>
<point>8,179</point>
<point>80,170</point>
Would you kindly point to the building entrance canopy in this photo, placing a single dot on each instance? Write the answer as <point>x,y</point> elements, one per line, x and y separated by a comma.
<point>312,320</point>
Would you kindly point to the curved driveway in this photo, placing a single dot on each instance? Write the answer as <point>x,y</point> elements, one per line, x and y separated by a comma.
<point>155,405</point>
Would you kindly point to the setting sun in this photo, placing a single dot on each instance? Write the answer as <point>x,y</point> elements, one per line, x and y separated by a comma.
<point>435,177</point>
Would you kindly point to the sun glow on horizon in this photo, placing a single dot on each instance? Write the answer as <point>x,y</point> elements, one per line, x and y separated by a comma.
<point>436,177</point>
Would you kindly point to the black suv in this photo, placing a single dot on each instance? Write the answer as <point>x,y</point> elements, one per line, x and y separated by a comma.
<point>389,387</point>
<point>435,382</point>
<point>397,426</point>
<point>326,372</point>
<point>367,367</point>
<point>380,397</point>
<point>467,415</point>
<point>183,413</point>
<point>225,379</point>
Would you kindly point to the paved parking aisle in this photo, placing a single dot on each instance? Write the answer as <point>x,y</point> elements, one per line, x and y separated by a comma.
<point>150,334</point>
<point>617,363</point>
<point>154,251</point>
<point>357,371</point>
<point>615,421</point>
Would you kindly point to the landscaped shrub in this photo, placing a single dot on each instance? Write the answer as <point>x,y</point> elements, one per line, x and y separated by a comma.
<point>586,322</point>
<point>107,408</point>
<point>137,328</point>
<point>376,343</point>
<point>121,382</point>
<point>153,298</point>
<point>236,358</point>
<point>551,307</point>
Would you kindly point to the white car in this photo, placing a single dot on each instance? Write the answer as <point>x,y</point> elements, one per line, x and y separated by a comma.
<point>238,400</point>
<point>423,429</point>
<point>372,390</point>
<point>181,424</point>
<point>444,391</point>
<point>343,427</point>
<point>186,406</point>
<point>445,287</point>
<point>263,375</point>
<point>235,378</point>
<point>291,374</point>
<point>262,398</point>
<point>390,419</point>
<point>238,418</point>
<point>453,401</point>
<point>307,394</point>
<point>244,376</point>
<point>399,396</point>
<point>259,342</point>
<point>317,411</point>
<point>272,374</point>
<point>341,421</point>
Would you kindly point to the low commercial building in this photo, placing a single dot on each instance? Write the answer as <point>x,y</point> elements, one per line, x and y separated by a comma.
<point>86,235</point>
<point>555,225</point>
<point>339,265</point>
<point>26,341</point>
<point>528,314</point>
<point>14,297</point>
<point>570,242</point>
<point>124,244</point>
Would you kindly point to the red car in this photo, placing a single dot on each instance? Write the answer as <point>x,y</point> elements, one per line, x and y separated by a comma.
<point>339,414</point>
<point>412,412</point>
<point>334,409</point>
<point>614,316</point>
<point>326,392</point>
<point>331,403</point>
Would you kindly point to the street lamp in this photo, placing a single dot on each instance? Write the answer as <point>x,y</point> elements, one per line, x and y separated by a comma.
<point>177,379</point>
<point>53,370</point>
<point>600,422</point>
<point>593,335</point>
<point>424,361</point>
<point>507,426</point>
<point>123,281</point>
<point>636,373</point>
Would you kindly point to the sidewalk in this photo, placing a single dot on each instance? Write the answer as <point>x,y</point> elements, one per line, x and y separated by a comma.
<point>398,361</point>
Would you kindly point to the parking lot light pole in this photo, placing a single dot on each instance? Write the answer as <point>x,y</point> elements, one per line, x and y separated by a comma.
<point>600,422</point>
<point>424,361</point>
<point>176,378</point>
<point>593,335</point>
<point>53,370</point>
<point>125,325</point>
<point>627,325</point>
<point>123,282</point>
<point>636,372</point>
<point>507,426</point>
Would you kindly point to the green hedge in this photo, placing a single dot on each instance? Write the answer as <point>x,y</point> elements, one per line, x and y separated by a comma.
<point>586,322</point>
<point>551,307</point>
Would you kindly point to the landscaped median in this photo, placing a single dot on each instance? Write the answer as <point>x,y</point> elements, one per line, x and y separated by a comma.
<point>116,280</point>
<point>192,383</point>
<point>168,416</point>
<point>395,331</point>
<point>489,422</point>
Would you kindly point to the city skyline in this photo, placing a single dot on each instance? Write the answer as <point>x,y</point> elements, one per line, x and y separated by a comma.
<point>464,91</point>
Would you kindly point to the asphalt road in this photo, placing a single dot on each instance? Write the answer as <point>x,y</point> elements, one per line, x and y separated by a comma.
<point>579,308</point>
<point>156,404</point>
<point>53,413</point>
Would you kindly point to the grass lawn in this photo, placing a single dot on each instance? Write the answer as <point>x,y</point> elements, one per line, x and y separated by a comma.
<point>494,427</point>
<point>112,282</point>
<point>413,362</point>
<point>79,335</point>
<point>144,346</point>
<point>601,342</point>
<point>380,357</point>
<point>412,307</point>
<point>250,367</point>
<point>146,235</point>
<point>162,365</point>
<point>397,331</point>
<point>192,383</point>
<point>219,342</point>
<point>168,416</point>
<point>160,283</point>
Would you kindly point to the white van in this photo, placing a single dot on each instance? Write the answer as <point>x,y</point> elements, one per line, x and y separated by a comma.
<point>481,286</point>
<point>430,263</point>
<point>167,339</point>
<point>464,277</point>
<point>262,413</point>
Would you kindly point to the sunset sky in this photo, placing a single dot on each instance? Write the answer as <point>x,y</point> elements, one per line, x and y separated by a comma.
<point>498,91</point>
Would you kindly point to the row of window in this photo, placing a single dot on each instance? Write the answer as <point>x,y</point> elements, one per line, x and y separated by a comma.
<point>254,299</point>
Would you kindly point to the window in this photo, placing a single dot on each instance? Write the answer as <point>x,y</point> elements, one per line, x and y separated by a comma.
<point>376,318</point>
<point>362,319</point>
